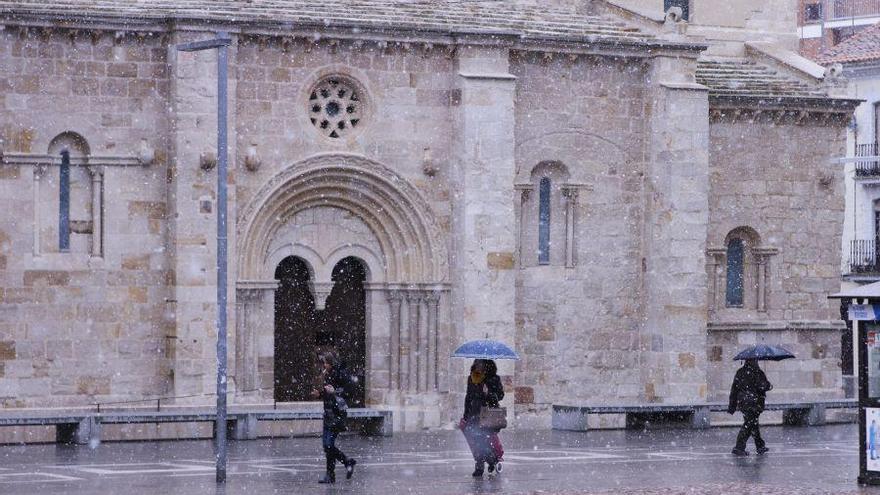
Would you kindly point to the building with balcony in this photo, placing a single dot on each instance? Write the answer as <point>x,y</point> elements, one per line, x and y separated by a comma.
<point>823,24</point>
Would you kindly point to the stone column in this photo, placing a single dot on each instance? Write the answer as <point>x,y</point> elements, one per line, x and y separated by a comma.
<point>483,171</point>
<point>424,342</point>
<point>525,193</point>
<point>394,299</point>
<point>676,227</point>
<point>414,313</point>
<point>404,349</point>
<point>39,172</point>
<point>254,317</point>
<point>762,261</point>
<point>192,230</point>
<point>715,264</point>
<point>571,196</point>
<point>432,300</point>
<point>245,341</point>
<point>761,265</point>
<point>97,174</point>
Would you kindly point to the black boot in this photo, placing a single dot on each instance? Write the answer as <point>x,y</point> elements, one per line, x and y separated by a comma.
<point>478,470</point>
<point>330,476</point>
<point>349,468</point>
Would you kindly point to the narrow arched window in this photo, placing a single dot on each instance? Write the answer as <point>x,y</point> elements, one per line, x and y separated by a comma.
<point>735,262</point>
<point>64,203</point>
<point>544,222</point>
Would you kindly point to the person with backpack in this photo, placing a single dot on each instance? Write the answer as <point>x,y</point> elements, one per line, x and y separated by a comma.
<point>747,394</point>
<point>335,381</point>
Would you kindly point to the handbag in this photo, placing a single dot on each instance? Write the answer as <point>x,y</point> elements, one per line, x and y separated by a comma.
<point>493,418</point>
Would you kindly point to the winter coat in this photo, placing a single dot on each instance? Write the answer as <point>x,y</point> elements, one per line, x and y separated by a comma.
<point>475,399</point>
<point>335,403</point>
<point>749,390</point>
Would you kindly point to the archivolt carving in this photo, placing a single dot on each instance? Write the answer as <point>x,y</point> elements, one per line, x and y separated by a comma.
<point>398,216</point>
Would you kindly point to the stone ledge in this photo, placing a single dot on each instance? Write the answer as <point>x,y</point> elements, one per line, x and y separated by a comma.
<point>776,326</point>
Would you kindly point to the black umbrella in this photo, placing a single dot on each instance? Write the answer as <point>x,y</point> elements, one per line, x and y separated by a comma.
<point>764,352</point>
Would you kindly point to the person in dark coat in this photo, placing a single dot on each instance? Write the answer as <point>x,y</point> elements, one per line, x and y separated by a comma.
<point>747,394</point>
<point>335,383</point>
<point>484,389</point>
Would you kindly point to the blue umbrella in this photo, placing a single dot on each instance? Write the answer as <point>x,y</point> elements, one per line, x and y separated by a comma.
<point>485,349</point>
<point>764,352</point>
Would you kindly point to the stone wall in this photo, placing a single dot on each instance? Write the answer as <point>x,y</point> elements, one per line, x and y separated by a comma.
<point>814,374</point>
<point>778,180</point>
<point>75,327</point>
<point>577,328</point>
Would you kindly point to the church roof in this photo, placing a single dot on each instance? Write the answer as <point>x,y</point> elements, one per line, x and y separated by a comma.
<point>746,78</point>
<point>864,46</point>
<point>482,17</point>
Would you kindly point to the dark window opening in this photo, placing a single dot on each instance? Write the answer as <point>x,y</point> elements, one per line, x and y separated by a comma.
<point>813,12</point>
<point>544,222</point>
<point>735,262</point>
<point>64,203</point>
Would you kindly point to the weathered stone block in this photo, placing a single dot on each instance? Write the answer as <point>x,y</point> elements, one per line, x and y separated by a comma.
<point>137,263</point>
<point>7,350</point>
<point>46,278</point>
<point>524,395</point>
<point>500,261</point>
<point>546,333</point>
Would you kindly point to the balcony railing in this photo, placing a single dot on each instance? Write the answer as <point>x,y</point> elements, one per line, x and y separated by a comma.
<point>867,168</point>
<point>845,9</point>
<point>863,257</point>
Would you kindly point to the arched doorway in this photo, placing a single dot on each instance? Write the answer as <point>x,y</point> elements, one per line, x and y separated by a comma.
<point>301,331</point>
<point>321,210</point>
<point>295,332</point>
<point>344,323</point>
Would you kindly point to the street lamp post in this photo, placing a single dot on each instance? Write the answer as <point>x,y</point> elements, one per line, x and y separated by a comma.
<point>221,42</point>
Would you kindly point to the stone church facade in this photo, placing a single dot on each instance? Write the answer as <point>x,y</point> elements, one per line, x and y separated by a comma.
<point>624,197</point>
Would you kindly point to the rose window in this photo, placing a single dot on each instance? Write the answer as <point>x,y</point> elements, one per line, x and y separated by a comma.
<point>335,107</point>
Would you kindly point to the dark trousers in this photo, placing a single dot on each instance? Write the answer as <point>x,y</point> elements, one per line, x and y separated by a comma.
<point>480,442</point>
<point>331,452</point>
<point>750,428</point>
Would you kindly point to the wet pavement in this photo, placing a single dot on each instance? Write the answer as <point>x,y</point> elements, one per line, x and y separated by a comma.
<point>814,460</point>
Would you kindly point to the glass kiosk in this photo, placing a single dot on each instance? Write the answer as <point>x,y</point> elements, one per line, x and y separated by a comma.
<point>869,400</point>
<point>865,314</point>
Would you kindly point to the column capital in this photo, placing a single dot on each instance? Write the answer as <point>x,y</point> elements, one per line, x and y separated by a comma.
<point>432,297</point>
<point>97,172</point>
<point>394,295</point>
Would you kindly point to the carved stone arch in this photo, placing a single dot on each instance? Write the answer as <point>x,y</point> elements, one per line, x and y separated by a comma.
<point>309,256</point>
<point>747,234</point>
<point>372,262</point>
<point>69,141</point>
<point>401,220</point>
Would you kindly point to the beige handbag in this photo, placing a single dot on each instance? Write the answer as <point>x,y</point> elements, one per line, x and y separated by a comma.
<point>493,418</point>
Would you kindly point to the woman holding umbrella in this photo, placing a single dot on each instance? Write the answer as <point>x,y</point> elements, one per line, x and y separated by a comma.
<point>483,418</point>
<point>749,391</point>
<point>484,390</point>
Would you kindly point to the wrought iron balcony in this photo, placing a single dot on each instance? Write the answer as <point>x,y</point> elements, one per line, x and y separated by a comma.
<point>863,257</point>
<point>869,168</point>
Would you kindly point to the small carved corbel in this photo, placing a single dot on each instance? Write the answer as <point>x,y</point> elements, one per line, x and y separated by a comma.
<point>146,154</point>
<point>252,159</point>
<point>429,168</point>
<point>208,160</point>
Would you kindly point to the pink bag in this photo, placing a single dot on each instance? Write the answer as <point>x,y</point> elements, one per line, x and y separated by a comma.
<point>496,446</point>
